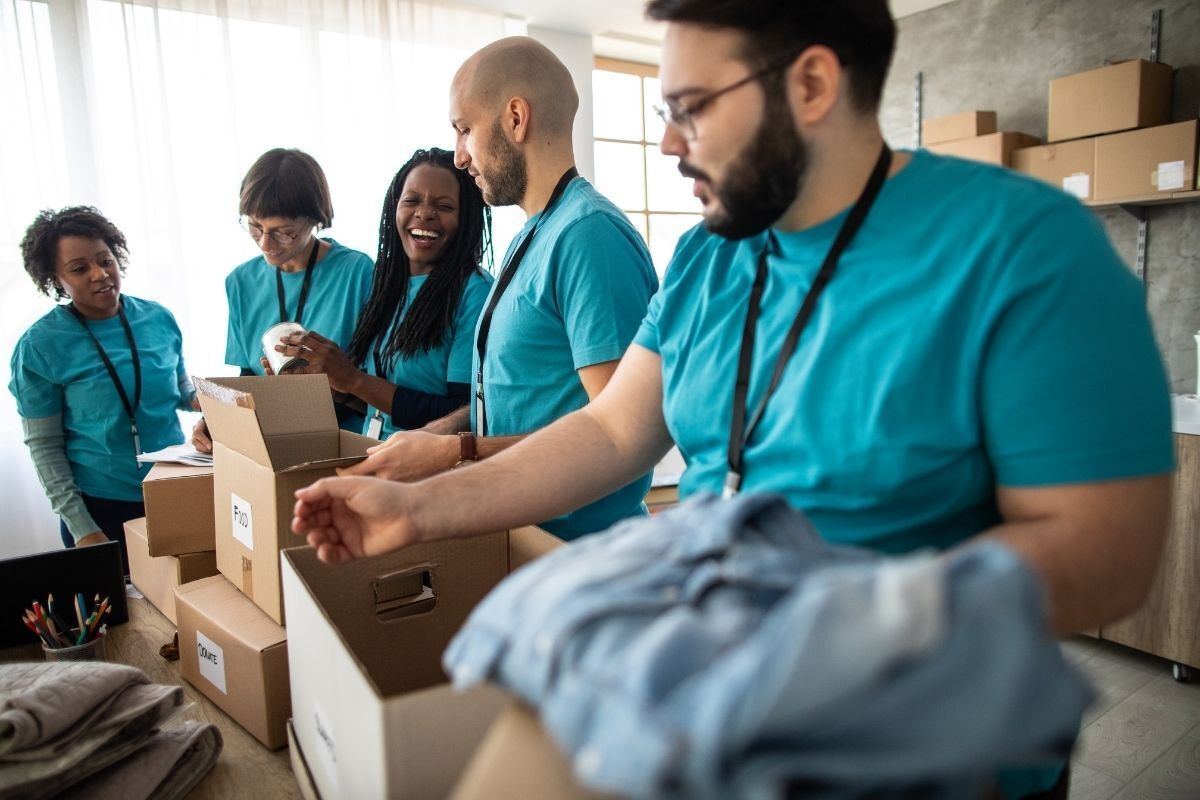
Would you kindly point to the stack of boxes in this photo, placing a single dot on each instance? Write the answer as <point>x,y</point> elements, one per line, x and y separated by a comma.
<point>973,135</point>
<point>271,436</point>
<point>1109,137</point>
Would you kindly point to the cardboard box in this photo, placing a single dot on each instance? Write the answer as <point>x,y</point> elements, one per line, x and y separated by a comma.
<point>271,436</point>
<point>1130,94</point>
<point>373,712</point>
<point>518,759</point>
<point>179,509</point>
<point>157,577</point>
<point>994,148</point>
<point>1071,166</point>
<point>966,125</point>
<point>236,656</point>
<point>1146,162</point>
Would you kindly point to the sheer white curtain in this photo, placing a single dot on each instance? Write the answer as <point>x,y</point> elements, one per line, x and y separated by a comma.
<point>153,111</point>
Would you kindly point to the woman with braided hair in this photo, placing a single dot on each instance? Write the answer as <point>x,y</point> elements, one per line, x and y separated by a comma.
<point>410,356</point>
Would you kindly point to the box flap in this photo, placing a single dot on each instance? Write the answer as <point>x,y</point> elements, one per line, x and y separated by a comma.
<point>220,601</point>
<point>274,420</point>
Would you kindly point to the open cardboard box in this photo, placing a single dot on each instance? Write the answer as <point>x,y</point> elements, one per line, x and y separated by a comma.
<point>373,713</point>
<point>271,436</point>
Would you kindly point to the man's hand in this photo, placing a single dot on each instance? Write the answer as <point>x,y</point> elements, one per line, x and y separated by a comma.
<point>345,518</point>
<point>408,456</point>
<point>97,537</point>
<point>201,439</point>
<point>323,356</point>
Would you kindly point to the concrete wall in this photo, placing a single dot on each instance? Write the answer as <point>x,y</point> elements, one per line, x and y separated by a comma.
<point>1000,54</point>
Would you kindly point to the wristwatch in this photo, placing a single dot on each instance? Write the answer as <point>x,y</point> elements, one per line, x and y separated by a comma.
<point>467,452</point>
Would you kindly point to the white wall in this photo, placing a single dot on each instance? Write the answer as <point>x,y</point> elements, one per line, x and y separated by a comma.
<point>575,51</point>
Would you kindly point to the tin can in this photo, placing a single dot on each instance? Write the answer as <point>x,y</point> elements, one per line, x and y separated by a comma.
<point>279,362</point>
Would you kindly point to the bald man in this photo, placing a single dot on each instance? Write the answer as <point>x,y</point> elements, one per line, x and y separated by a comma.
<point>575,284</point>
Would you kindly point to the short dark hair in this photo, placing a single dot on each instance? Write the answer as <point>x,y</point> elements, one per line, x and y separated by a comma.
<point>287,183</point>
<point>431,316</point>
<point>39,246</point>
<point>861,32</point>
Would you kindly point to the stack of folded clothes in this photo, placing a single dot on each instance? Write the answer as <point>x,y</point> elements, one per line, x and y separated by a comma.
<point>722,649</point>
<point>93,729</point>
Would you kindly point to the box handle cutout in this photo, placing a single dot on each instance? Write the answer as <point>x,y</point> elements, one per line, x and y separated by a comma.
<point>406,593</point>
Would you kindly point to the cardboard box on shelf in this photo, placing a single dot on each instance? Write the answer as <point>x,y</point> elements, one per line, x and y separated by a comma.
<point>1118,97</point>
<point>372,710</point>
<point>1071,166</point>
<point>966,125</point>
<point>236,656</point>
<point>157,576</point>
<point>518,738</point>
<point>179,509</point>
<point>271,436</point>
<point>1146,162</point>
<point>994,148</point>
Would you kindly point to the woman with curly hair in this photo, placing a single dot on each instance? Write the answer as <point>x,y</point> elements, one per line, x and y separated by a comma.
<point>97,380</point>
<point>410,356</point>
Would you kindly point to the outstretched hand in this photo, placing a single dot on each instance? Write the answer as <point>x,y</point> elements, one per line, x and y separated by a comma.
<point>345,518</point>
<point>408,456</point>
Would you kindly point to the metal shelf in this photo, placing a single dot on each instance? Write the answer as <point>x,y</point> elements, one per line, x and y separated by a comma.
<point>1161,199</point>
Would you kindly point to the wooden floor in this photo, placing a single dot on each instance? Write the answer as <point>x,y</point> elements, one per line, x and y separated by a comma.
<point>1141,739</point>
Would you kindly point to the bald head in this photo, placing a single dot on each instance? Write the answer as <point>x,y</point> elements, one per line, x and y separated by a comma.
<point>521,67</point>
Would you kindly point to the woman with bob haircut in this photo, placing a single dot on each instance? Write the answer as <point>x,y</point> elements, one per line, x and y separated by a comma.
<point>410,356</point>
<point>97,380</point>
<point>297,276</point>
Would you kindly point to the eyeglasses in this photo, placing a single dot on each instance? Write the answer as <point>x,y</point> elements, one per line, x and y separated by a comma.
<point>279,237</point>
<point>683,117</point>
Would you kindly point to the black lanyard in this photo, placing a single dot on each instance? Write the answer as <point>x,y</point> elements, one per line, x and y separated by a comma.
<point>739,430</point>
<point>112,371</point>
<point>506,276</point>
<point>312,260</point>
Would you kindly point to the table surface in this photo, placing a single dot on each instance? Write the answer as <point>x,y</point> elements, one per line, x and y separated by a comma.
<point>246,768</point>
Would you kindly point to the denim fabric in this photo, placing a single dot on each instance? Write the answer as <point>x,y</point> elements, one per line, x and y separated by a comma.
<point>722,649</point>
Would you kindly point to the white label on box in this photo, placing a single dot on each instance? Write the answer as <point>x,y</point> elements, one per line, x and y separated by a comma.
<point>1079,185</point>
<point>212,661</point>
<point>1170,175</point>
<point>243,520</point>
<point>326,747</point>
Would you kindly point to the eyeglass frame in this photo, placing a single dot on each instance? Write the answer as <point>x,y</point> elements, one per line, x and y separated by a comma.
<point>683,118</point>
<point>277,236</point>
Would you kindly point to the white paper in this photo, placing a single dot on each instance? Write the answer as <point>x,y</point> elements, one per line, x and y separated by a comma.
<point>177,454</point>
<point>326,746</point>
<point>212,661</point>
<point>243,520</point>
<point>1079,185</point>
<point>1170,175</point>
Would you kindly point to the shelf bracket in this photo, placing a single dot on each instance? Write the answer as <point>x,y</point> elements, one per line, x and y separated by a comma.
<point>1139,213</point>
<point>1155,27</point>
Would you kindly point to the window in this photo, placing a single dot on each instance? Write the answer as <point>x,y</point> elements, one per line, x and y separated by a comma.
<point>630,169</point>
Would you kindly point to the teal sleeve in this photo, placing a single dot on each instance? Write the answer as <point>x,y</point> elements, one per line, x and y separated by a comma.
<point>647,335</point>
<point>458,365</point>
<point>235,355</point>
<point>33,385</point>
<point>603,283</point>
<point>47,445</point>
<point>1072,386</point>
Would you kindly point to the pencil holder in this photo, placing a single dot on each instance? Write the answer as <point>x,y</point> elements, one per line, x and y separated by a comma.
<point>92,650</point>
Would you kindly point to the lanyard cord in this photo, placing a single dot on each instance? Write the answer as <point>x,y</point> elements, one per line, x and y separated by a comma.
<point>506,276</point>
<point>130,408</point>
<point>740,430</point>
<point>307,282</point>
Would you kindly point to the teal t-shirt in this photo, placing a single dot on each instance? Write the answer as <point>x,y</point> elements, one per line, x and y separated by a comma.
<point>341,284</point>
<point>979,331</point>
<point>576,300</point>
<point>450,362</point>
<point>56,370</point>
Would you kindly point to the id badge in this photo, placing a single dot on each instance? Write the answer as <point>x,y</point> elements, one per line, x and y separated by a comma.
<point>375,426</point>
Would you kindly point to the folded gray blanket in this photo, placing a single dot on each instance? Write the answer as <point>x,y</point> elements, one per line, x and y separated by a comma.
<point>167,768</point>
<point>63,722</point>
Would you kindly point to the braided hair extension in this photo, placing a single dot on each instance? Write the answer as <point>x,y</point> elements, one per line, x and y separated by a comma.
<point>432,313</point>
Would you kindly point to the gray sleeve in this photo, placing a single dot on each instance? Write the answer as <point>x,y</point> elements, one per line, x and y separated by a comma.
<point>47,446</point>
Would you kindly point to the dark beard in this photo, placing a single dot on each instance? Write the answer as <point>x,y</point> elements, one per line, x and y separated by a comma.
<point>763,181</point>
<point>508,177</point>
